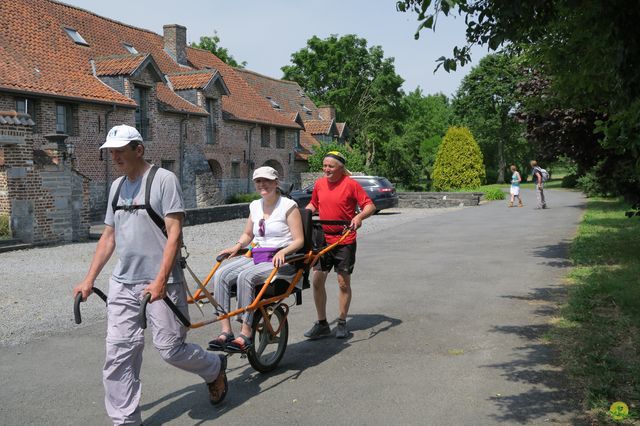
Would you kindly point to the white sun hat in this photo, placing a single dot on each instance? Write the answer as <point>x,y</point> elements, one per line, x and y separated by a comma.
<point>265,172</point>
<point>120,136</point>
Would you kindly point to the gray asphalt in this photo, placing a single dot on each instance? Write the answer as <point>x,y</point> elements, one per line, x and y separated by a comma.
<point>448,318</point>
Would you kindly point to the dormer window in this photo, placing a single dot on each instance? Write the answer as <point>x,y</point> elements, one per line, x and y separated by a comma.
<point>274,104</point>
<point>75,36</point>
<point>307,110</point>
<point>130,48</point>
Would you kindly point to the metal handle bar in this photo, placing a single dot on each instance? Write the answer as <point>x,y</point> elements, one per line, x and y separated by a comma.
<point>142,316</point>
<point>78,300</point>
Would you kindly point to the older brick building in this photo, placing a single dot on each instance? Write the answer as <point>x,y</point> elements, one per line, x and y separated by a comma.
<point>288,98</point>
<point>76,73</point>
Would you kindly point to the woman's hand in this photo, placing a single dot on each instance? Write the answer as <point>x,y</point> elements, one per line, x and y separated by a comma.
<point>231,251</point>
<point>278,259</point>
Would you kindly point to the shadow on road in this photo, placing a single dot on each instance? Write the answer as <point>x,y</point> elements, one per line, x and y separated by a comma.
<point>558,254</point>
<point>299,357</point>
<point>535,363</point>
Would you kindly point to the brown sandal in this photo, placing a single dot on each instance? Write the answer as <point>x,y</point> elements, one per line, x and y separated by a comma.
<point>216,394</point>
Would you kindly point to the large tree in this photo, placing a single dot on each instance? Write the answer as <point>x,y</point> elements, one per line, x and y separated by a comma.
<point>357,80</point>
<point>486,102</point>
<point>587,50</point>
<point>411,153</point>
<point>212,44</point>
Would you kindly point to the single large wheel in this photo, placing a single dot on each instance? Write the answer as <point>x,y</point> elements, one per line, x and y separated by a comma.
<point>267,350</point>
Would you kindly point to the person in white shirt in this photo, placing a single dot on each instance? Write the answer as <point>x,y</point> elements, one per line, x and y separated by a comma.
<point>274,225</point>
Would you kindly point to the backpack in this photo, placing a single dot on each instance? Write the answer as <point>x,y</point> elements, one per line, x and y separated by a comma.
<point>155,217</point>
<point>543,173</point>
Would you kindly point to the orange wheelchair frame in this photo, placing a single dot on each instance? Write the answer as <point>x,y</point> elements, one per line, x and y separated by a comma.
<point>270,328</point>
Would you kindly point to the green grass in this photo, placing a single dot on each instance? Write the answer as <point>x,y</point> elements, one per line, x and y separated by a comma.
<point>599,328</point>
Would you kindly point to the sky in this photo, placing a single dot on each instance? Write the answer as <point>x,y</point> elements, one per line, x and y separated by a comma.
<point>265,33</point>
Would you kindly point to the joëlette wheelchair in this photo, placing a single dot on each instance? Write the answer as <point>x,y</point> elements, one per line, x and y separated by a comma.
<point>270,328</point>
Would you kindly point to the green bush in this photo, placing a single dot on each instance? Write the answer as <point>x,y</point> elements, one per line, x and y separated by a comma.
<point>569,181</point>
<point>5,226</point>
<point>459,162</point>
<point>493,194</point>
<point>243,198</point>
<point>591,185</point>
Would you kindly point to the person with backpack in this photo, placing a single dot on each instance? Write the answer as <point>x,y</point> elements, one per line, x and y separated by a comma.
<point>143,224</point>
<point>540,176</point>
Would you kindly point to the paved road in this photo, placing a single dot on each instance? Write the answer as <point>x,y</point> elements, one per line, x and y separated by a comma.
<point>448,320</point>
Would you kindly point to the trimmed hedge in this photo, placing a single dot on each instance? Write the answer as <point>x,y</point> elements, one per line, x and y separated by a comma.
<point>459,162</point>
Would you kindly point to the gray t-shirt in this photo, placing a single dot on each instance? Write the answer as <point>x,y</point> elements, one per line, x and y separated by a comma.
<point>139,241</point>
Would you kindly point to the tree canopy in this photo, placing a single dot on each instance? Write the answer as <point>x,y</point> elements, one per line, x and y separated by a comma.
<point>212,44</point>
<point>588,55</point>
<point>357,80</point>
<point>486,102</point>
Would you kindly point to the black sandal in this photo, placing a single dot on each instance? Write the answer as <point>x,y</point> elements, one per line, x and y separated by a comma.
<point>218,344</point>
<point>235,347</point>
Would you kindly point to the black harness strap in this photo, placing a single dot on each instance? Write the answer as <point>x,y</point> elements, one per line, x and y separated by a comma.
<point>147,201</point>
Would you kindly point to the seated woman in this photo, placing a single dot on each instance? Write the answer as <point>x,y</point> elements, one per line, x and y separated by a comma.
<point>274,222</point>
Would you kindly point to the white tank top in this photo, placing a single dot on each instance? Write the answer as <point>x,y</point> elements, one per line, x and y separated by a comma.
<point>276,230</point>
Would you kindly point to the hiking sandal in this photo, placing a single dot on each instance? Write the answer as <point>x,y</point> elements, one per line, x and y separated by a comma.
<point>219,344</point>
<point>241,344</point>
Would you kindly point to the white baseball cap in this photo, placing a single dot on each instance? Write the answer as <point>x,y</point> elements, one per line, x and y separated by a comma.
<point>265,172</point>
<point>120,136</point>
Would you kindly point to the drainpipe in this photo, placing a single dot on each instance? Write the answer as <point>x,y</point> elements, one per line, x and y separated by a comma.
<point>249,161</point>
<point>184,123</point>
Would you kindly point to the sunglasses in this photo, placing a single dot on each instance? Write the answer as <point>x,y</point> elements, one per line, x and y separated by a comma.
<point>261,227</point>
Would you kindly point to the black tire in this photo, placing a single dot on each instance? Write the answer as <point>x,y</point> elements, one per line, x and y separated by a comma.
<point>260,356</point>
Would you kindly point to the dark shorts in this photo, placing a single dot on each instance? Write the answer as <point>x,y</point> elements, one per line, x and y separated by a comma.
<point>341,259</point>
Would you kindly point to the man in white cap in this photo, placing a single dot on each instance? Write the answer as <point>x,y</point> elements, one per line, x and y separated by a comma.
<point>144,217</point>
<point>335,197</point>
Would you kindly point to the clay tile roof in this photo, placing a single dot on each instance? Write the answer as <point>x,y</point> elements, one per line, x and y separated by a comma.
<point>119,64</point>
<point>308,142</point>
<point>171,102</point>
<point>288,94</point>
<point>243,103</point>
<point>319,127</point>
<point>192,80</point>
<point>38,56</point>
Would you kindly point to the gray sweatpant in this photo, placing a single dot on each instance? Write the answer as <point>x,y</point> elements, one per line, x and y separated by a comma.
<point>125,342</point>
<point>540,197</point>
<point>243,272</point>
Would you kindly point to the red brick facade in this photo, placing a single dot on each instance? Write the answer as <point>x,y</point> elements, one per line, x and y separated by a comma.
<point>213,153</point>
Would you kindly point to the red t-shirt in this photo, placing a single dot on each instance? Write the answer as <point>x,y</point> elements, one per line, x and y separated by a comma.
<point>338,201</point>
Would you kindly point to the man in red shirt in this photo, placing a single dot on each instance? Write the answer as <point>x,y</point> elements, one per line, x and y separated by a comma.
<point>335,197</point>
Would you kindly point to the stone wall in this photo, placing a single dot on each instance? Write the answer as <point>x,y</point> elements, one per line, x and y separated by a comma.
<point>427,200</point>
<point>48,200</point>
<point>216,214</point>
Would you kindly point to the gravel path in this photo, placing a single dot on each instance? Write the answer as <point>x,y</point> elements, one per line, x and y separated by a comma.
<point>35,284</point>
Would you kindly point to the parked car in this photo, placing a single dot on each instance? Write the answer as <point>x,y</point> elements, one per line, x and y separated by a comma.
<point>379,189</point>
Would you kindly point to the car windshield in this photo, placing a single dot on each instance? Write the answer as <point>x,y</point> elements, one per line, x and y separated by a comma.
<point>367,181</point>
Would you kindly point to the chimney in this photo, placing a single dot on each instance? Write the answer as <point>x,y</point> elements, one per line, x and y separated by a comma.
<point>327,112</point>
<point>175,42</point>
